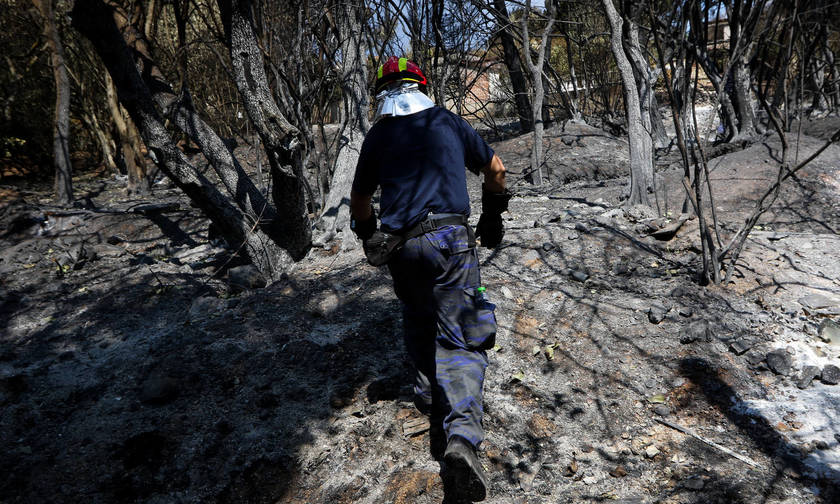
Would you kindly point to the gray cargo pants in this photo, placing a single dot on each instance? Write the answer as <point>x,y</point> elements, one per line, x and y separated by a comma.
<point>448,327</point>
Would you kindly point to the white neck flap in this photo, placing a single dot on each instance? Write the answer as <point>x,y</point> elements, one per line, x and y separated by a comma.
<point>404,100</point>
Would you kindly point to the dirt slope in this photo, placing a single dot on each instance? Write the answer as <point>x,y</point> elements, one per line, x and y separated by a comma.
<point>131,371</point>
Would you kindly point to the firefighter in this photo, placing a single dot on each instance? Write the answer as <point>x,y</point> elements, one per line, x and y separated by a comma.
<point>416,153</point>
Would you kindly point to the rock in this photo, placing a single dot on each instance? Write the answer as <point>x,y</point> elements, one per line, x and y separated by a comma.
<point>637,213</point>
<point>806,376</point>
<point>64,261</point>
<point>656,313</point>
<point>580,226</point>
<point>662,410</point>
<point>830,374</point>
<point>578,275</point>
<point>506,292</point>
<point>546,219</point>
<point>818,303</point>
<point>245,277</point>
<point>159,390</point>
<point>621,269</point>
<point>696,331</point>
<point>618,472</point>
<point>615,213</point>
<point>650,383</point>
<point>830,332</point>
<point>741,345</point>
<point>548,246</point>
<point>651,451</point>
<point>686,311</point>
<point>779,361</point>
<point>78,253</point>
<point>526,478</point>
<point>107,250</point>
<point>754,358</point>
<point>590,480</point>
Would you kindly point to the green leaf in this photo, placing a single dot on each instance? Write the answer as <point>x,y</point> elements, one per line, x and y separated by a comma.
<point>656,399</point>
<point>519,376</point>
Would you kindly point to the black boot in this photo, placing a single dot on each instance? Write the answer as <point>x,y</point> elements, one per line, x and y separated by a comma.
<point>464,476</point>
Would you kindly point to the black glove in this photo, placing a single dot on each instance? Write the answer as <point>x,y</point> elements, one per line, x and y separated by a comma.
<point>490,227</point>
<point>494,203</point>
<point>364,229</point>
<point>381,247</point>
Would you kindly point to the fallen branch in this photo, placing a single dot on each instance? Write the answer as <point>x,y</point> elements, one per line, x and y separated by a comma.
<point>690,432</point>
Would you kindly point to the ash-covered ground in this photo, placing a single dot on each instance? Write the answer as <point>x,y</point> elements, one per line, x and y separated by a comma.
<point>137,366</point>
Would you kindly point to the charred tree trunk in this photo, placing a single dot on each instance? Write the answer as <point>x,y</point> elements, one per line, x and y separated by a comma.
<point>280,138</point>
<point>574,98</point>
<point>739,54</point>
<point>61,119</point>
<point>244,217</point>
<point>536,68</point>
<point>130,144</point>
<point>352,75</point>
<point>834,73</point>
<point>641,147</point>
<point>514,66</point>
<point>743,99</point>
<point>103,140</point>
<point>645,80</point>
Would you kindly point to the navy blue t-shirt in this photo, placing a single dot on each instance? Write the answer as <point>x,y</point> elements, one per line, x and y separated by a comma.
<point>419,161</point>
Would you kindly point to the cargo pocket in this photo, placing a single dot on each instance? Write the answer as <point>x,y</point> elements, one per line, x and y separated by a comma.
<point>478,320</point>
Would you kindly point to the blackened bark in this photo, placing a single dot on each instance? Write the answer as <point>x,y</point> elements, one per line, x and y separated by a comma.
<point>353,78</point>
<point>536,68</point>
<point>98,22</point>
<point>514,66</point>
<point>280,138</point>
<point>181,112</point>
<point>574,98</point>
<point>645,80</point>
<point>61,119</point>
<point>130,144</point>
<point>641,148</point>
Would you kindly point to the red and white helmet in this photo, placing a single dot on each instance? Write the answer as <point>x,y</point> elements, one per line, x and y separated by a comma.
<point>399,69</point>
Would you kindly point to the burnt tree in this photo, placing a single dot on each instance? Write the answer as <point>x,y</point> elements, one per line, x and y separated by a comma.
<point>513,63</point>
<point>641,145</point>
<point>61,118</point>
<point>270,239</point>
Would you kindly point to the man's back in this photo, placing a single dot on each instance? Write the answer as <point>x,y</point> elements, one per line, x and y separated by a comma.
<point>419,161</point>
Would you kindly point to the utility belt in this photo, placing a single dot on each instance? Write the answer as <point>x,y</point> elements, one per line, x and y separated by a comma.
<point>381,247</point>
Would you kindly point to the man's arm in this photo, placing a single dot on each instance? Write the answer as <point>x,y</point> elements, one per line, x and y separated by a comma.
<point>360,205</point>
<point>494,201</point>
<point>362,218</point>
<point>494,175</point>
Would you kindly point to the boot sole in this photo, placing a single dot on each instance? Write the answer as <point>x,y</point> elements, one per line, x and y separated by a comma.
<point>465,479</point>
